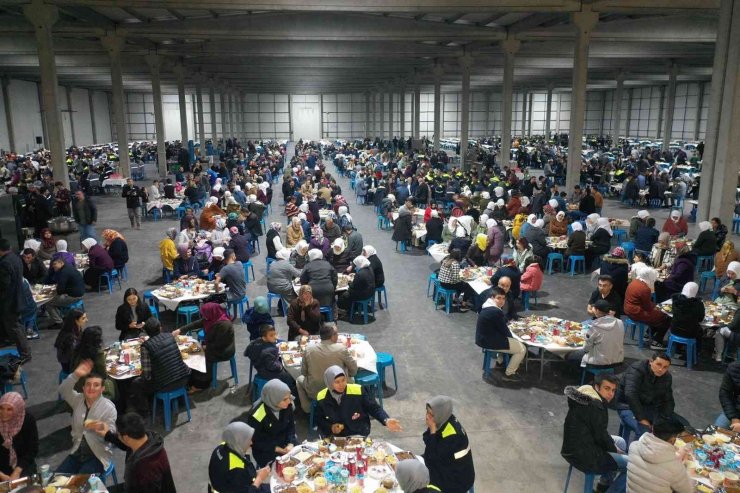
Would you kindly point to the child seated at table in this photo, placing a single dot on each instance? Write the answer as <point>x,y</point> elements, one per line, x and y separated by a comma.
<point>264,355</point>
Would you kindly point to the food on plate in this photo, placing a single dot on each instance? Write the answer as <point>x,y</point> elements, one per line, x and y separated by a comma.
<point>283,346</point>
<point>380,489</point>
<point>304,488</point>
<point>289,473</point>
<point>59,481</point>
<point>388,483</point>
<point>403,455</point>
<point>320,482</point>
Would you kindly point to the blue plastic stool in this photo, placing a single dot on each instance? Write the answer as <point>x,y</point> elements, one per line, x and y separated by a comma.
<point>369,379</point>
<point>77,305</point>
<point>109,277</point>
<point>281,301</point>
<point>488,357</point>
<point>312,416</point>
<point>594,371</point>
<point>268,261</point>
<point>432,284</point>
<point>629,249</point>
<point>588,485</point>
<point>124,272</point>
<point>573,261</point>
<point>618,235</point>
<point>692,356</point>
<point>551,259</point>
<point>525,298</point>
<point>704,263</point>
<point>169,400</point>
<point>110,471</point>
<point>255,245</point>
<point>22,381</point>
<point>366,306</point>
<point>403,246</point>
<point>180,212</point>
<point>328,311</point>
<point>708,275</point>
<point>382,292</point>
<point>383,222</point>
<point>155,312</point>
<point>257,385</point>
<point>248,265</point>
<point>187,311</point>
<point>384,360</point>
<point>237,305</point>
<point>214,370</point>
<point>629,323</point>
<point>447,294</point>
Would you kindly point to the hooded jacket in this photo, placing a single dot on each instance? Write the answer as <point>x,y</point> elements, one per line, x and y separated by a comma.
<point>147,469</point>
<point>604,342</point>
<point>586,440</point>
<point>729,391</point>
<point>654,468</point>
<point>448,457</point>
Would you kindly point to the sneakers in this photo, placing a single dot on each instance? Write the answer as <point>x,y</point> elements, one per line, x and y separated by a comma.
<point>513,378</point>
<point>32,334</point>
<point>658,346</point>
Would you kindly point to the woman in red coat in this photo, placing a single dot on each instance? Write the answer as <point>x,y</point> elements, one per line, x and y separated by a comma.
<point>639,306</point>
<point>676,225</point>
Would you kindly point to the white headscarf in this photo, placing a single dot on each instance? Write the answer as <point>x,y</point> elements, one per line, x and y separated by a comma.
<point>734,266</point>
<point>35,244</point>
<point>643,214</point>
<point>338,246</point>
<point>604,224</point>
<point>435,213</point>
<point>218,252</point>
<point>525,201</point>
<point>342,210</point>
<point>303,207</point>
<point>300,246</point>
<point>560,215</point>
<point>577,226</point>
<point>491,223</point>
<point>531,219</point>
<point>369,251</point>
<point>690,289</point>
<point>646,274</point>
<point>490,206</point>
<point>675,215</point>
<point>591,220</point>
<point>283,254</point>
<point>499,191</point>
<point>539,223</point>
<point>361,262</point>
<point>485,195</point>
<point>483,218</point>
<point>452,224</point>
<point>704,225</point>
<point>89,243</point>
<point>302,216</point>
<point>315,254</point>
<point>553,203</point>
<point>61,245</point>
<point>464,226</point>
<point>213,200</point>
<point>500,203</point>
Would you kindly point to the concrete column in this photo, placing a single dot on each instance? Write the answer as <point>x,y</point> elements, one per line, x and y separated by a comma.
<point>199,103</point>
<point>488,115</point>
<point>230,107</point>
<point>155,64</point>
<point>240,117</point>
<point>212,108</point>
<point>510,47</point>
<point>8,113</point>
<point>584,21</point>
<point>381,93</point>
<point>721,163</point>
<point>548,110</point>
<point>68,91</point>
<point>224,130</point>
<point>390,113</point>
<point>113,44</point>
<point>179,70</point>
<point>92,116</point>
<point>630,95</point>
<point>438,71</point>
<point>661,106</point>
<point>603,112</point>
<point>670,105</point>
<point>699,104</point>
<point>529,113</point>
<point>321,116</point>
<point>617,116</point>
<point>466,62</point>
<point>43,18</point>
<point>367,114</point>
<point>417,111</point>
<point>525,96</point>
<point>402,108</point>
<point>374,114</point>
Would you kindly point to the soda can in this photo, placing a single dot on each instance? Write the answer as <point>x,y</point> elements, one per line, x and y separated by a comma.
<point>352,467</point>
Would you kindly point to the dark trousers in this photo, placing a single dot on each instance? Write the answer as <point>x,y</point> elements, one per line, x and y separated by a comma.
<point>73,464</point>
<point>12,329</point>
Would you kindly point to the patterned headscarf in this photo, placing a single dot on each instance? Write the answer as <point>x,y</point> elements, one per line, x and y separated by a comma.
<point>276,226</point>
<point>110,234</point>
<point>9,429</point>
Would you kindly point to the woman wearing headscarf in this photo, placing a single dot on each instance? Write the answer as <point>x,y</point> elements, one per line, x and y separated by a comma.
<point>19,436</point>
<point>321,276</point>
<point>185,264</point>
<point>100,262</point>
<point>219,344</point>
<point>447,453</point>
<point>376,266</point>
<point>294,233</point>
<point>168,250</point>
<point>601,240</point>
<point>131,315</point>
<point>345,409</point>
<point>48,245</point>
<point>499,211</point>
<point>230,469</point>
<point>592,223</point>
<point>720,231</point>
<point>61,252</point>
<point>344,218</point>
<point>448,233</point>
<point>682,271</point>
<point>639,306</point>
<point>660,255</point>
<point>706,243</point>
<point>209,213</point>
<point>304,315</point>
<point>730,284</point>
<point>558,225</point>
<point>339,256</point>
<point>257,316</point>
<point>273,241</point>
<point>299,255</point>
<point>676,224</point>
<point>515,205</point>
<point>115,243</point>
<point>402,227</point>
<point>518,223</point>
<point>616,265</point>
<point>723,258</point>
<point>688,314</point>
<point>274,423</point>
<point>187,218</point>
<point>476,254</point>
<point>319,241</point>
<point>362,286</point>
<point>187,235</point>
<point>576,241</point>
<point>413,477</point>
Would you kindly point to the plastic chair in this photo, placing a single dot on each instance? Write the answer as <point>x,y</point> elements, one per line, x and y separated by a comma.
<point>79,305</point>
<point>124,272</point>
<point>169,400</point>
<point>180,212</point>
<point>109,277</point>
<point>629,249</point>
<point>692,355</point>
<point>488,357</point>
<point>369,379</point>
<point>281,301</point>
<point>312,416</point>
<point>237,305</point>
<point>110,471</point>
<point>403,246</point>
<point>708,275</point>
<point>619,235</point>
<point>248,265</point>
<point>629,323</point>
<point>381,291</point>
<point>594,371</point>
<point>551,259</point>
<point>447,294</point>
<point>188,312</point>
<point>268,261</point>
<point>704,263</point>
<point>257,385</point>
<point>155,312</point>
<point>432,284</point>
<point>655,203</point>
<point>588,484</point>
<point>366,306</point>
<point>384,360</point>
<point>234,374</point>
<point>329,311</point>
<point>573,261</point>
<point>525,298</point>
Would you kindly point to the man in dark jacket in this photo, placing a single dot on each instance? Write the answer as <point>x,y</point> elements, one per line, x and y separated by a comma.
<point>646,393</point>
<point>33,267</point>
<point>587,445</point>
<point>133,195</point>
<point>85,214</point>
<point>70,288</point>
<point>147,464</point>
<point>491,332</point>
<point>729,397</point>
<point>422,194</point>
<point>263,354</point>
<point>12,302</point>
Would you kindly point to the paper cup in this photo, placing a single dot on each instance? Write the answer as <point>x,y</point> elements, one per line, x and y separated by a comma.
<point>716,478</point>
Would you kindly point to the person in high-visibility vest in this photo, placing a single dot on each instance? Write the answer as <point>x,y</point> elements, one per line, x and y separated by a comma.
<point>413,477</point>
<point>273,421</point>
<point>230,469</point>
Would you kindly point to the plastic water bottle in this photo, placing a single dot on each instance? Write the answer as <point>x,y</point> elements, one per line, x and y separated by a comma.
<point>45,474</point>
<point>96,485</point>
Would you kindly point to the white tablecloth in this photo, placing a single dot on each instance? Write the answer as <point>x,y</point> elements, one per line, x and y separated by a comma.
<point>114,182</point>
<point>194,361</point>
<point>362,352</point>
<point>438,251</point>
<point>172,303</point>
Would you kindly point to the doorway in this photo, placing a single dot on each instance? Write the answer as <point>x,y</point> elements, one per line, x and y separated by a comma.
<point>305,112</point>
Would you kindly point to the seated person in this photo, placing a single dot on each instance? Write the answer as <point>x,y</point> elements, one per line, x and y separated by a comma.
<point>511,271</point>
<point>576,241</point>
<point>447,449</point>
<point>509,307</point>
<point>730,285</point>
<point>304,315</point>
<point>90,453</point>
<point>185,264</point>
<point>646,236</point>
<point>34,270</point>
<point>639,306</point>
<point>727,335</point>
<point>587,445</point>
<point>217,261</point>
<point>688,314</point>
<point>339,256</point>
<point>231,469</point>
<point>263,354</point>
<point>492,332</point>
<point>317,358</point>
<point>116,246</point>
<point>723,258</point>
<point>705,244</point>
<point>233,277</point>
<point>131,315</point>
<point>100,262</point>
<point>362,286</point>
<point>604,347</point>
<point>20,438</point>
<point>654,464</point>
<point>168,251</point>
<point>450,277</point>
<point>218,344</point>
<point>434,225</point>
<point>70,288</point>
<point>676,224</point>
<point>257,316</point>
<point>532,277</point>
<point>345,409</point>
<point>682,272</point>
<point>729,398</point>
<point>661,255</point>
<point>273,421</point>
<point>413,477</point>
<point>281,275</point>
<point>605,291</point>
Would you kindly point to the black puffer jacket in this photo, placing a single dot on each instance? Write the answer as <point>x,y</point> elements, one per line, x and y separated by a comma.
<point>729,391</point>
<point>639,387</point>
<point>688,313</point>
<point>586,440</point>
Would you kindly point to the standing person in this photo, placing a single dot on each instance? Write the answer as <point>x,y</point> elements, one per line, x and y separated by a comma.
<point>12,302</point>
<point>654,466</point>
<point>85,214</point>
<point>447,449</point>
<point>69,337</point>
<point>133,195</point>
<point>492,332</point>
<point>20,438</point>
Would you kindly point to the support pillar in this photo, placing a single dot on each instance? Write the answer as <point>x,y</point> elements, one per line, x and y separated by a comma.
<point>699,104</point>
<point>529,113</point>
<point>381,93</point>
<point>488,115</point>
<point>8,114</point>
<point>466,61</point>
<point>43,18</point>
<point>367,114</point>
<point>390,113</point>
<point>417,111</point>
<point>212,108</point>
<point>720,164</point>
<point>510,47</point>
<point>68,91</point>
<point>232,122</point>
<point>240,117</point>
<point>113,44</point>
<point>402,104</point>
<point>630,95</point>
<point>93,127</point>
<point>670,105</point>
<point>548,110</point>
<point>438,72</point>
<point>584,21</point>
<point>224,116</point>
<point>525,96</point>
<point>179,70</point>
<point>155,64</point>
<point>617,116</point>
<point>661,107</point>
<point>201,123</point>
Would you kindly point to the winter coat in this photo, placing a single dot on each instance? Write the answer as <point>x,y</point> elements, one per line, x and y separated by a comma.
<point>688,314</point>
<point>434,229</point>
<point>402,228</point>
<point>491,331</point>
<point>512,273</point>
<point>536,237</point>
<point>517,224</point>
<point>448,457</point>
<point>147,469</point>
<point>601,242</point>
<point>532,278</point>
<point>654,468</point>
<point>645,238</point>
<point>639,306</point>
<point>558,228</point>
<point>495,245</point>
<point>270,431</point>
<point>124,317</point>
<point>705,244</point>
<point>576,243</point>
<point>307,318</point>
<point>586,440</point>
<point>604,342</point>
<point>618,268</point>
<point>323,278</point>
<point>640,388</point>
<point>681,228</point>
<point>682,272</point>
<point>729,391</point>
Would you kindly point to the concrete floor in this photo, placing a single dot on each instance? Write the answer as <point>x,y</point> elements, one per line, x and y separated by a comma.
<point>510,429</point>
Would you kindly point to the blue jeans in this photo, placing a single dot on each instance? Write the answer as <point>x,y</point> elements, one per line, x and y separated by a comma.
<point>87,231</point>
<point>630,422</point>
<point>73,465</point>
<point>723,422</point>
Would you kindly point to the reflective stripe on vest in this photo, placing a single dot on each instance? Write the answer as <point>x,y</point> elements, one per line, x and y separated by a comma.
<point>449,430</point>
<point>462,453</point>
<point>354,389</point>
<point>432,487</point>
<point>320,396</point>
<point>260,414</point>
<point>235,462</point>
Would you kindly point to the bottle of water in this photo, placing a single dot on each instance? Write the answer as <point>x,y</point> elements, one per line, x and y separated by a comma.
<point>45,474</point>
<point>96,485</point>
